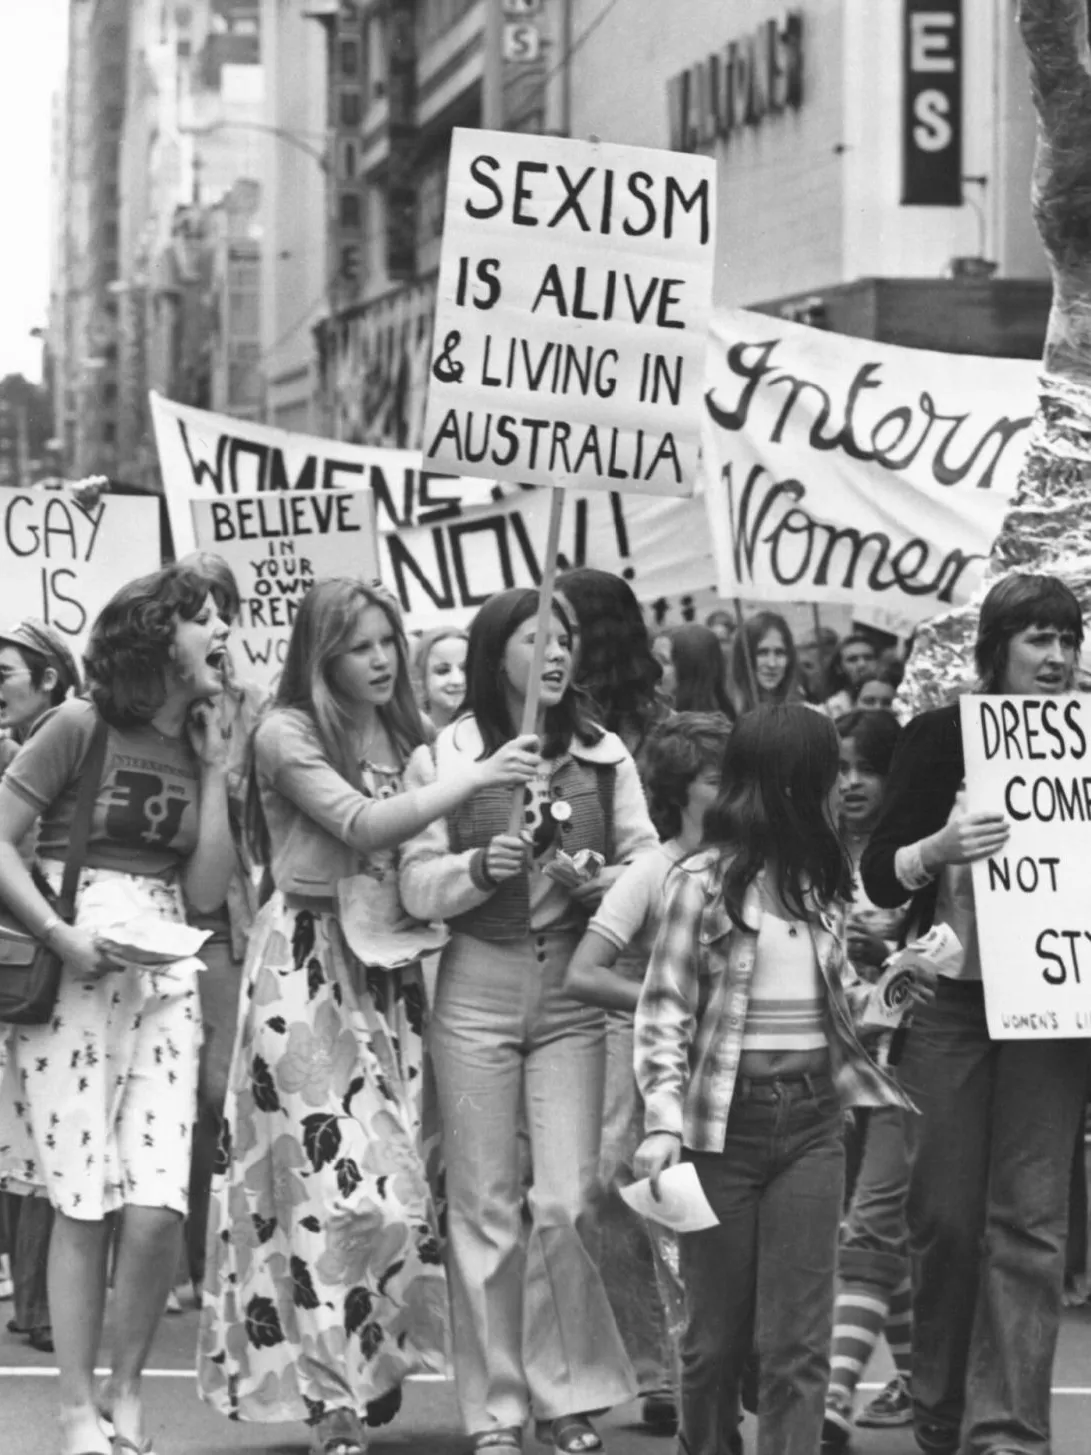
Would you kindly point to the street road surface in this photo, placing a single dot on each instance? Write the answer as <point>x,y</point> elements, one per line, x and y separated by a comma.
<point>428,1423</point>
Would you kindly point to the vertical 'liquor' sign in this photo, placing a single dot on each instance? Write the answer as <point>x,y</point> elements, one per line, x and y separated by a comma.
<point>932,106</point>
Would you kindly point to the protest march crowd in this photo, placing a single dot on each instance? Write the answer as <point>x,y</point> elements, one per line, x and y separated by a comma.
<point>372,1007</point>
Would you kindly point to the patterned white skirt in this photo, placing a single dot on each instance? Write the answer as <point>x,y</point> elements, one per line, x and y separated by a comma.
<point>97,1107</point>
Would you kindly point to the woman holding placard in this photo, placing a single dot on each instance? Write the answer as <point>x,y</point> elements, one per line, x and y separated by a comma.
<point>532,1324</point>
<point>324,1284</point>
<point>97,1104</point>
<point>993,1144</point>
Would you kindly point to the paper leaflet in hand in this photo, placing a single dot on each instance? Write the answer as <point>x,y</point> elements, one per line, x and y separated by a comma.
<point>125,917</point>
<point>572,870</point>
<point>681,1205</point>
<point>939,952</point>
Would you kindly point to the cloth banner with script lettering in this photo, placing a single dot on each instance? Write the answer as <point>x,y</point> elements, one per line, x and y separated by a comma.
<point>840,470</point>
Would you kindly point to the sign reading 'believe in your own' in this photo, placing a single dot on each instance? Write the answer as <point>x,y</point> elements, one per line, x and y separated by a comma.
<point>278,546</point>
<point>1030,759</point>
<point>574,293</point>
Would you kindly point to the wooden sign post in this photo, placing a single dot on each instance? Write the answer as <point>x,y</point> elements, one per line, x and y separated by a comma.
<point>572,310</point>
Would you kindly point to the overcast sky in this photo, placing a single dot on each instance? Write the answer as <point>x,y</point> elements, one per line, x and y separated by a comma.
<point>32,41</point>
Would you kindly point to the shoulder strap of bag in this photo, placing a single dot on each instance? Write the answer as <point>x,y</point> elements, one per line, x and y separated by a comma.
<point>85,806</point>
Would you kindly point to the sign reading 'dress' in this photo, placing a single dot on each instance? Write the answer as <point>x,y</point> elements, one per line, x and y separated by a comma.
<point>574,293</point>
<point>1030,758</point>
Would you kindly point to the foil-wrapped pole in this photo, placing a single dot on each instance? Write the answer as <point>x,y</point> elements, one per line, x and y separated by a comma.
<point>1048,524</point>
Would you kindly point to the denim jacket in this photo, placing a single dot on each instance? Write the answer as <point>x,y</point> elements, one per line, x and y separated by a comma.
<point>441,868</point>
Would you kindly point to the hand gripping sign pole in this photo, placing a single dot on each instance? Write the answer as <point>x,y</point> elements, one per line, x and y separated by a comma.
<point>542,627</point>
<point>575,287</point>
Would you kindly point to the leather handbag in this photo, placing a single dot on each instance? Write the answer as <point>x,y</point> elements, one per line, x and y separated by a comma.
<point>30,971</point>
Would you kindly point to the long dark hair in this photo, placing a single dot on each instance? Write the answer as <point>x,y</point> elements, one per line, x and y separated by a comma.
<point>699,668</point>
<point>875,734</point>
<point>486,698</point>
<point>615,666</point>
<point>778,768</point>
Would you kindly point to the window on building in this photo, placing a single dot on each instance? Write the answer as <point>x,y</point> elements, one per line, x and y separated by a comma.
<point>348,211</point>
<point>109,432</point>
<point>349,161</point>
<point>350,111</point>
<point>349,54</point>
<point>109,392</point>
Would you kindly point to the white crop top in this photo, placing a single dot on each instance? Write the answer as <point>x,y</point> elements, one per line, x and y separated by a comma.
<point>787,1009</point>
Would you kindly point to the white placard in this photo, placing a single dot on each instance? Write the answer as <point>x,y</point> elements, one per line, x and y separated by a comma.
<point>278,546</point>
<point>62,561</point>
<point>1030,759</point>
<point>837,469</point>
<point>574,293</point>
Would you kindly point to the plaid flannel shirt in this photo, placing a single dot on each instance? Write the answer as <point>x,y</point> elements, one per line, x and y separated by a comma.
<point>692,1012</point>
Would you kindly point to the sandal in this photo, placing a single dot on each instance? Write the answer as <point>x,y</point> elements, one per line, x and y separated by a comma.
<point>339,1433</point>
<point>571,1434</point>
<point>509,1437</point>
<point>122,1445</point>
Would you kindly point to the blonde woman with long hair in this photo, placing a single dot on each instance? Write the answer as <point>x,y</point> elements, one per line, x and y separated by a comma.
<point>324,1286</point>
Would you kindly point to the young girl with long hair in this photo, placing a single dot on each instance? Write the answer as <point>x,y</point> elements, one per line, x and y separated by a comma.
<point>323,1286</point>
<point>745,1055</point>
<point>532,1324</point>
<point>97,1105</point>
<point>763,669</point>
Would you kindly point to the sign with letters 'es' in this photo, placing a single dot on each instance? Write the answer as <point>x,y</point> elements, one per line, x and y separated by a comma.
<point>278,546</point>
<point>932,104</point>
<point>574,293</point>
<point>59,560</point>
<point>1030,759</point>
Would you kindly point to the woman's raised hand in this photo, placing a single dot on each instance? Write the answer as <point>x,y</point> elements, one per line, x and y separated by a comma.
<point>516,762</point>
<point>505,856</point>
<point>968,838</point>
<point>206,734</point>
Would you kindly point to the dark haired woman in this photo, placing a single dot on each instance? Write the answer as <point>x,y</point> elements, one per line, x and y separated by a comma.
<point>699,667</point>
<point>532,1324</point>
<point>991,1149</point>
<point>323,1287</point>
<point>873,1293</point>
<point>615,666</point>
<point>97,1107</point>
<point>853,663</point>
<point>763,668</point>
<point>745,1056</point>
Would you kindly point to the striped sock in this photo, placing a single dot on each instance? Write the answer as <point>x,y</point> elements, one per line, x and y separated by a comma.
<point>858,1318</point>
<point>899,1327</point>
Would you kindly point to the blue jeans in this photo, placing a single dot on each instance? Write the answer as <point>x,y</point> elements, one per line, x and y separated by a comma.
<point>765,1277</point>
<point>987,1214</point>
<point>873,1241</point>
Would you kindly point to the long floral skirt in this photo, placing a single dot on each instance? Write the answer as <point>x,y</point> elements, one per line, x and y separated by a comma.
<point>324,1285</point>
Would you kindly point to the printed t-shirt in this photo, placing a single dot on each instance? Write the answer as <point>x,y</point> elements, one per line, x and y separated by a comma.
<point>145,815</point>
